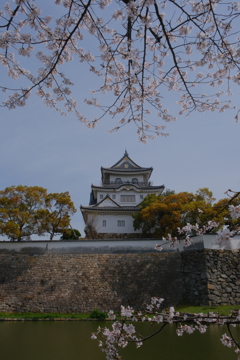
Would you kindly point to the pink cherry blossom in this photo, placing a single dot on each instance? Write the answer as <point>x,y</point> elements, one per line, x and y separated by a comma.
<point>139,52</point>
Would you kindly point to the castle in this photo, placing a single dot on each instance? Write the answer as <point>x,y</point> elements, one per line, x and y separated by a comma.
<point>124,186</point>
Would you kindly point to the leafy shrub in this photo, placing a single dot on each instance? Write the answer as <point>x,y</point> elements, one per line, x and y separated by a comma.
<point>96,314</point>
<point>70,234</point>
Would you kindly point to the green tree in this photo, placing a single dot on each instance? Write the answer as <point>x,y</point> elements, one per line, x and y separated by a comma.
<point>70,234</point>
<point>206,195</point>
<point>164,214</point>
<point>200,209</point>
<point>223,214</point>
<point>141,221</point>
<point>55,217</point>
<point>168,192</point>
<point>19,208</point>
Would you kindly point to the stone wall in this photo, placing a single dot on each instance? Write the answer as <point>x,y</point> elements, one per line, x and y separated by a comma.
<point>211,277</point>
<point>194,278</point>
<point>82,282</point>
<point>223,272</point>
<point>77,282</point>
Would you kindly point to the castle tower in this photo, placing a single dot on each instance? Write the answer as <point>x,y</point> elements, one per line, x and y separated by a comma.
<point>124,186</point>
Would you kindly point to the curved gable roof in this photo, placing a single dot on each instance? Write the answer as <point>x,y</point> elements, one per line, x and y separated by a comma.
<point>106,202</point>
<point>126,165</point>
<point>125,159</point>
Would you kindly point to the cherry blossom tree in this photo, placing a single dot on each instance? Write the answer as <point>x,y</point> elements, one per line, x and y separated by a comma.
<point>142,50</point>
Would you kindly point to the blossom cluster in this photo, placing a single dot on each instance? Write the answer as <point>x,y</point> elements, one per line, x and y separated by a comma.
<point>122,333</point>
<point>139,52</point>
<point>234,211</point>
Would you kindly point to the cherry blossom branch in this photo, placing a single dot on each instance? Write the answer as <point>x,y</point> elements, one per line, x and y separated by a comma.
<point>172,52</point>
<point>141,50</point>
<point>123,333</point>
<point>232,337</point>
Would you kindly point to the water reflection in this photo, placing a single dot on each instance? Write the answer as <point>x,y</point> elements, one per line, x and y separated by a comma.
<point>71,341</point>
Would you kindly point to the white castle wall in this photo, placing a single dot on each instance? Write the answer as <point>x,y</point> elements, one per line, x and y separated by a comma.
<point>117,194</point>
<point>112,223</point>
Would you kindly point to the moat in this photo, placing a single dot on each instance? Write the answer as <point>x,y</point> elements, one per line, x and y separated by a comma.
<point>62,340</point>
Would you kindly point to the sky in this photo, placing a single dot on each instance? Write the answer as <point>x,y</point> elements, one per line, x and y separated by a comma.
<point>39,147</point>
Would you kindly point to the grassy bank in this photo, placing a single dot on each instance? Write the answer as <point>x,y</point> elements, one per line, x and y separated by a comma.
<point>42,316</point>
<point>222,310</point>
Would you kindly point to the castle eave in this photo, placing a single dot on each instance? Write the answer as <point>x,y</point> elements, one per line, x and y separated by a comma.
<point>139,186</point>
<point>123,209</point>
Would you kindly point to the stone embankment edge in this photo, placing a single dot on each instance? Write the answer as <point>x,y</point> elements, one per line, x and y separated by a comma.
<point>56,319</point>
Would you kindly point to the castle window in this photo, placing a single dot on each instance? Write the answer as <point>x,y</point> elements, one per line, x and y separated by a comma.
<point>114,197</point>
<point>121,223</point>
<point>101,196</point>
<point>135,181</point>
<point>104,223</point>
<point>118,181</point>
<point>141,196</point>
<point>127,198</point>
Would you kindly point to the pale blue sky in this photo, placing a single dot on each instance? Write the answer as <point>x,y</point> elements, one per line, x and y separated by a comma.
<point>40,147</point>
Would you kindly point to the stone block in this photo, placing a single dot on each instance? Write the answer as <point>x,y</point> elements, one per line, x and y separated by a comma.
<point>210,286</point>
<point>223,276</point>
<point>213,297</point>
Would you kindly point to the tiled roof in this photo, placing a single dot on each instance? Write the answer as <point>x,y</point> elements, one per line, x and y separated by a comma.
<point>117,186</point>
<point>110,208</point>
<point>132,166</point>
<point>129,169</point>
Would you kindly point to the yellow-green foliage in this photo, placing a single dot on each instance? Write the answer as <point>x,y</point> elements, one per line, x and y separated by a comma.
<point>27,210</point>
<point>162,215</point>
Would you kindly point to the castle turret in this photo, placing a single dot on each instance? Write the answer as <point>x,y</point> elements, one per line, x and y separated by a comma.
<point>124,186</point>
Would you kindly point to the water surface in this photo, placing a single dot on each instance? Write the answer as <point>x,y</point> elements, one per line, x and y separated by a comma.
<point>71,341</point>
